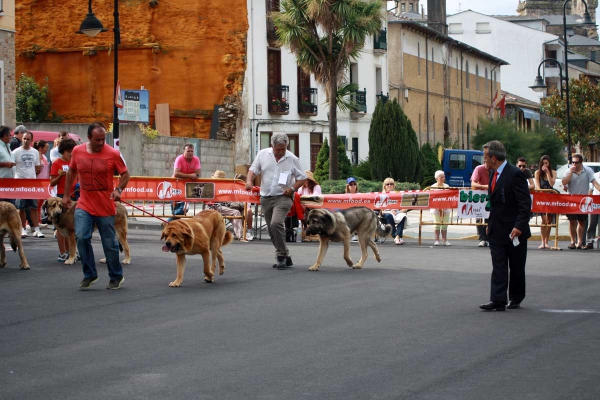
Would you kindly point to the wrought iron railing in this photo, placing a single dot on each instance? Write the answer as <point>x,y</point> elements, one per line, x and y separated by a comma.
<point>307,101</point>
<point>279,101</point>
<point>360,98</point>
<point>381,40</point>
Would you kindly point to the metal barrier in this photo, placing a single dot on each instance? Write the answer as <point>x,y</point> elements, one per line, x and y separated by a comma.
<point>473,221</point>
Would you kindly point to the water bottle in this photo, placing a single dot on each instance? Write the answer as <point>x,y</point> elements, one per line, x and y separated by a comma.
<point>299,232</point>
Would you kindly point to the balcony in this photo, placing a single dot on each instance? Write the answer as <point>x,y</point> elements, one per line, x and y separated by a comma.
<point>360,99</point>
<point>279,102</point>
<point>380,43</point>
<point>382,98</point>
<point>307,101</point>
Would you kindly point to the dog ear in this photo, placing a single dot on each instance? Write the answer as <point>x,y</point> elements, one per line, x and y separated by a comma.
<point>187,238</point>
<point>328,222</point>
<point>45,206</point>
<point>163,234</point>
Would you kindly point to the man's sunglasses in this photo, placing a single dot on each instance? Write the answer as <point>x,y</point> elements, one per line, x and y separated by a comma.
<point>522,166</point>
<point>576,162</point>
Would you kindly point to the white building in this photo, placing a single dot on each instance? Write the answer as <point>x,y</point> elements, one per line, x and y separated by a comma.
<point>523,47</point>
<point>279,97</point>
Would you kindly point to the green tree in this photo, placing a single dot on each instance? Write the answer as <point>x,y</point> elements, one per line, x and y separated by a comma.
<point>430,164</point>
<point>34,101</point>
<point>325,36</point>
<point>584,101</point>
<point>321,171</point>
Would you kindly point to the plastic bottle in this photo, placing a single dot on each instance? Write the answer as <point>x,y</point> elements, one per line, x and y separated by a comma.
<point>299,232</point>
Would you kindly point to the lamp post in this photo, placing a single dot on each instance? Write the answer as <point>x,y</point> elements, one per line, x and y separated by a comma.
<point>91,26</point>
<point>539,85</point>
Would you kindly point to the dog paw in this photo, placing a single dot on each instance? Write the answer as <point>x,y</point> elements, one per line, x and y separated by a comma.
<point>209,279</point>
<point>314,268</point>
<point>356,266</point>
<point>350,263</point>
<point>25,266</point>
<point>175,284</point>
<point>102,261</point>
<point>70,261</point>
<point>126,261</point>
<point>2,265</point>
<point>378,258</point>
<point>222,270</point>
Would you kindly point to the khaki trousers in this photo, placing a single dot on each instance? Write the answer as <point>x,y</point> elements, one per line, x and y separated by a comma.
<point>275,209</point>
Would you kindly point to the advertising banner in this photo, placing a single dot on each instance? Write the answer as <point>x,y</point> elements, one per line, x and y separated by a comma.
<point>414,200</point>
<point>473,204</point>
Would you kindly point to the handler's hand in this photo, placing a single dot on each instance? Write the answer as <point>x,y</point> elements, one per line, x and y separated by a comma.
<point>288,192</point>
<point>248,186</point>
<point>66,201</point>
<point>514,232</point>
<point>115,195</point>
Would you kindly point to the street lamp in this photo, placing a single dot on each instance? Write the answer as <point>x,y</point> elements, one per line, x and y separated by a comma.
<point>91,26</point>
<point>539,85</point>
<point>586,22</point>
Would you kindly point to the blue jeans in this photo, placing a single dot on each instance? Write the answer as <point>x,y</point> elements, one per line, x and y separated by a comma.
<point>177,208</point>
<point>84,227</point>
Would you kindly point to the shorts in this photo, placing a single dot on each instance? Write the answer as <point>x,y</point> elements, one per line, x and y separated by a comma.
<point>23,204</point>
<point>577,217</point>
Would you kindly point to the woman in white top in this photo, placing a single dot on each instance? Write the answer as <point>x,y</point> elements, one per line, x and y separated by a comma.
<point>440,216</point>
<point>310,187</point>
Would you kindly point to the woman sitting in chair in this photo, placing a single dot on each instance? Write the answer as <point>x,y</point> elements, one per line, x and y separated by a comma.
<point>310,187</point>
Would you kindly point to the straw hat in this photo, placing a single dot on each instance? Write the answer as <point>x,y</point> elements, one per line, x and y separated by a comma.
<point>310,177</point>
<point>219,174</point>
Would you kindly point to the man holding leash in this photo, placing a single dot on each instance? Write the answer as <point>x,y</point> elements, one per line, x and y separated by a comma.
<point>96,165</point>
<point>282,176</point>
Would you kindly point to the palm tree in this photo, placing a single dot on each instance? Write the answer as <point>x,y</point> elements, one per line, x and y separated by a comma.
<point>325,35</point>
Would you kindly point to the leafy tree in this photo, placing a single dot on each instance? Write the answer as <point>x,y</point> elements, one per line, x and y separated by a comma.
<point>430,164</point>
<point>584,99</point>
<point>321,171</point>
<point>393,146</point>
<point>33,101</point>
<point>325,36</point>
<point>362,170</point>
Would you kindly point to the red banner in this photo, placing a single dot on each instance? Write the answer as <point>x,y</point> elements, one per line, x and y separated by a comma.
<point>224,190</point>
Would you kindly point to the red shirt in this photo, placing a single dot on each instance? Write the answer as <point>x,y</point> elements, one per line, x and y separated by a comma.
<point>96,172</point>
<point>57,165</point>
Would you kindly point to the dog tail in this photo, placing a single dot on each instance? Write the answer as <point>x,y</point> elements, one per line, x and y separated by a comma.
<point>13,243</point>
<point>383,231</point>
<point>227,238</point>
<point>120,247</point>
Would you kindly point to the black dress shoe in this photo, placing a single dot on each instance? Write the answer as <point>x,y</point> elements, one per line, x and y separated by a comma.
<point>281,262</point>
<point>493,306</point>
<point>512,305</point>
<point>288,261</point>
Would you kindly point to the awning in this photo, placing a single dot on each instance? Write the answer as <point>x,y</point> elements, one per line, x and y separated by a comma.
<point>530,114</point>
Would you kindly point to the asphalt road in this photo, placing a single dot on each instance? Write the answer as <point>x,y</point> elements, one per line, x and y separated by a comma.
<point>407,328</point>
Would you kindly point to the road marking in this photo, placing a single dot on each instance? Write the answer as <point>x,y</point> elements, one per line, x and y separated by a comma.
<point>572,311</point>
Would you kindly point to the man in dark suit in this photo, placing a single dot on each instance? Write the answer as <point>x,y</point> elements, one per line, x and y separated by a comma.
<point>508,228</point>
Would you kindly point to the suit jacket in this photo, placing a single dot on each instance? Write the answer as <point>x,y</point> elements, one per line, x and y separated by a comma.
<point>510,205</point>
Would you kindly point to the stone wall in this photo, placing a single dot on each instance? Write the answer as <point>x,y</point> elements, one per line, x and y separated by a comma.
<point>7,55</point>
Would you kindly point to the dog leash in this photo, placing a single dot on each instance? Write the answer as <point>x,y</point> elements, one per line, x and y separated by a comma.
<point>142,210</point>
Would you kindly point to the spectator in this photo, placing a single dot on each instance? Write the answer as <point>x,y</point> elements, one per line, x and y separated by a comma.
<point>522,164</point>
<point>545,177</point>
<point>282,176</point>
<point>96,163</point>
<point>58,173</point>
<point>17,139</point>
<point>395,218</point>
<point>578,177</point>
<point>187,166</point>
<point>7,164</point>
<point>480,180</point>
<point>591,232</point>
<point>440,217</point>
<point>54,153</point>
<point>42,147</point>
<point>310,187</point>
<point>28,165</point>
<point>352,188</point>
<point>225,209</point>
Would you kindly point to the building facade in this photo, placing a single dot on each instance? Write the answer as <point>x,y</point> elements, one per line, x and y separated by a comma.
<point>279,97</point>
<point>442,85</point>
<point>8,108</point>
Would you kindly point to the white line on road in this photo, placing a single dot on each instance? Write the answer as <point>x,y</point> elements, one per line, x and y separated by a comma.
<point>573,311</point>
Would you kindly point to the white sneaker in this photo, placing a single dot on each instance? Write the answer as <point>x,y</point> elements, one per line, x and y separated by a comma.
<point>447,243</point>
<point>38,233</point>
<point>23,232</point>
<point>436,243</point>
<point>249,236</point>
<point>354,238</point>
<point>41,226</point>
<point>481,244</point>
<point>28,228</point>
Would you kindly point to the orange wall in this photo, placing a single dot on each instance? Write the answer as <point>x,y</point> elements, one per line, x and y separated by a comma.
<point>201,58</point>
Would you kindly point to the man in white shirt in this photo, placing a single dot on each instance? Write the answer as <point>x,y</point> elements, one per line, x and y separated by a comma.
<point>282,176</point>
<point>27,165</point>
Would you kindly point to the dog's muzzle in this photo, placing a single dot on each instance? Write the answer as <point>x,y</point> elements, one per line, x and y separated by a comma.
<point>169,247</point>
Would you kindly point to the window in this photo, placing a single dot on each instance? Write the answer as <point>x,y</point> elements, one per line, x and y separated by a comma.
<point>378,81</point>
<point>477,77</point>
<point>403,7</point>
<point>458,161</point>
<point>419,58</point>
<point>485,83</point>
<point>457,80</point>
<point>1,8</point>
<point>467,73</point>
<point>265,142</point>
<point>455,29</point>
<point>432,64</point>
<point>354,73</point>
<point>477,160</point>
<point>482,27</point>
<point>411,7</point>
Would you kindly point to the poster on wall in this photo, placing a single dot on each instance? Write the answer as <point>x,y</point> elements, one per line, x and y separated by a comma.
<point>136,105</point>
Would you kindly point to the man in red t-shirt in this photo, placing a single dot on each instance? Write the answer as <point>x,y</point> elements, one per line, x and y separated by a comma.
<point>96,165</point>
<point>480,179</point>
<point>187,166</point>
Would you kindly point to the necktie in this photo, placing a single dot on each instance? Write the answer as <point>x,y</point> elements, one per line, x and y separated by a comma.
<point>494,180</point>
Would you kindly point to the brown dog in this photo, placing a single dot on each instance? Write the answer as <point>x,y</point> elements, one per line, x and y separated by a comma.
<point>64,221</point>
<point>10,223</point>
<point>202,234</point>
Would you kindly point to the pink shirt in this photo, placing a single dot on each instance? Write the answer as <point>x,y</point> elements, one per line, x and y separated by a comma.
<point>187,167</point>
<point>481,175</point>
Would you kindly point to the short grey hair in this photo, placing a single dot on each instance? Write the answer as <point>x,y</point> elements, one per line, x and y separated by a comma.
<point>19,129</point>
<point>495,149</point>
<point>280,138</point>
